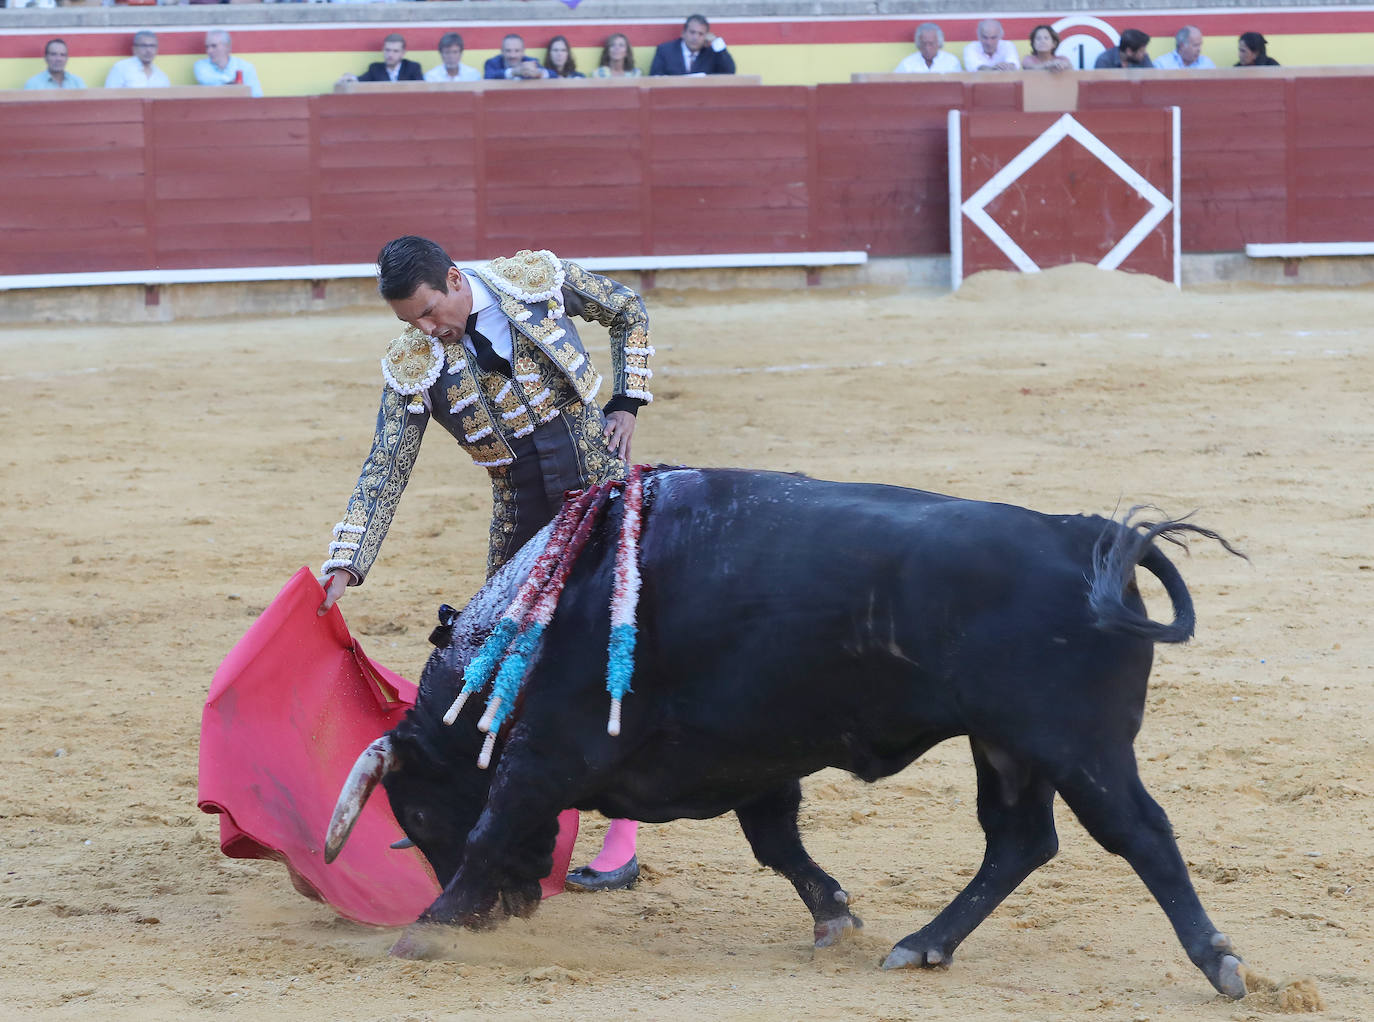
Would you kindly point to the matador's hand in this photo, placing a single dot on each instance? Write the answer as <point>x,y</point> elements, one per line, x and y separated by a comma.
<point>334,585</point>
<point>620,427</point>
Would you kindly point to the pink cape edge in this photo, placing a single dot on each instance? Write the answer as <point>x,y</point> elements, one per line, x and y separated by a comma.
<point>288,712</point>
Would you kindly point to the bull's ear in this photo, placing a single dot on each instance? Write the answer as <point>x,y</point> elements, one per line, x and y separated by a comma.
<point>376,761</point>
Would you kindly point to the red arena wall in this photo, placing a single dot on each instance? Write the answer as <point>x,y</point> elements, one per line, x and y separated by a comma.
<point>128,184</point>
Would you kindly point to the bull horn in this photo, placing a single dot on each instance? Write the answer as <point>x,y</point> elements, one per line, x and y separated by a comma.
<point>405,842</point>
<point>377,760</point>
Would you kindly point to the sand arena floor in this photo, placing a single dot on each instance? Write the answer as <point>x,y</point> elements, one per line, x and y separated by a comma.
<point>161,483</point>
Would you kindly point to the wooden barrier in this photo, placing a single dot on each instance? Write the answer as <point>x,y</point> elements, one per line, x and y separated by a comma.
<point>127,183</point>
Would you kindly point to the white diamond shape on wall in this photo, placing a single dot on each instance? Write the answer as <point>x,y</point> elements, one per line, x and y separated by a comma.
<point>975,208</point>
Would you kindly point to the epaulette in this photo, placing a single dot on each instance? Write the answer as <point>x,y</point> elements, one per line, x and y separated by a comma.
<point>413,361</point>
<point>527,276</point>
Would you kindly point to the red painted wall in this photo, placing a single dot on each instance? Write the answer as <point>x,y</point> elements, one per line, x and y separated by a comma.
<point>135,184</point>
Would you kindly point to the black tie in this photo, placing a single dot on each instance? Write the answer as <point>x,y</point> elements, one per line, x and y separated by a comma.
<point>486,354</point>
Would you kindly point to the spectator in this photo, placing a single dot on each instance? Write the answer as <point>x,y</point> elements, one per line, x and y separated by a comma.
<point>558,61</point>
<point>452,68</point>
<point>1187,52</point>
<point>56,76</point>
<point>1044,40</point>
<point>1130,52</point>
<point>930,56</point>
<point>698,52</point>
<point>220,67</point>
<point>991,52</point>
<point>617,59</point>
<point>513,61</point>
<point>393,67</point>
<point>1253,50</point>
<point>139,71</point>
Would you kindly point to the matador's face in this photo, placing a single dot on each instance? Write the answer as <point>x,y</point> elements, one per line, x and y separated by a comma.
<point>441,315</point>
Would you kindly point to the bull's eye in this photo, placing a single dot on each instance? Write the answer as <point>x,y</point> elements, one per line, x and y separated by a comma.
<point>417,819</point>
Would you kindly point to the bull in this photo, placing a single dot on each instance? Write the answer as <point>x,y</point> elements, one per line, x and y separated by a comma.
<point>787,625</point>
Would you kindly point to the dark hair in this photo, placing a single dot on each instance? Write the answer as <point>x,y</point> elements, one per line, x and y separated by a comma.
<point>1054,36</point>
<point>512,35</point>
<point>1133,39</point>
<point>1256,44</point>
<point>395,37</point>
<point>629,51</point>
<point>569,66</point>
<point>409,261</point>
<point>49,44</point>
<point>696,17</point>
<point>450,39</point>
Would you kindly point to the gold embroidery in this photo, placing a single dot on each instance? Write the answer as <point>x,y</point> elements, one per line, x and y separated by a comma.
<point>411,362</point>
<point>530,272</point>
<point>385,472</point>
<point>502,519</point>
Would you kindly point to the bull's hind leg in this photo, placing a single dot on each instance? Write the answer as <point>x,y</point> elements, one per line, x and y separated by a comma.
<point>1015,807</point>
<point>770,824</point>
<point>1119,813</point>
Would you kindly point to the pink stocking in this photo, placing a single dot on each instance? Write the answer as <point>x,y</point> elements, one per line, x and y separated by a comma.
<point>618,848</point>
<point>562,853</point>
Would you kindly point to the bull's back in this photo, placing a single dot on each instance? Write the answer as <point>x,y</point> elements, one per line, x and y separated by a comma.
<point>811,618</point>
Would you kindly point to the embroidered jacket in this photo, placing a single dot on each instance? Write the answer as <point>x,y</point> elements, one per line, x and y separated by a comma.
<point>486,411</point>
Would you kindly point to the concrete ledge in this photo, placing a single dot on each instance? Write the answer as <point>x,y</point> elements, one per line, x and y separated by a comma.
<point>348,271</point>
<point>1307,249</point>
<point>162,303</point>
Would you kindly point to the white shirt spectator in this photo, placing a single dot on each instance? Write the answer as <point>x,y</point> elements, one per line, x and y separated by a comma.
<point>465,74</point>
<point>129,74</point>
<point>1171,61</point>
<point>915,64</point>
<point>45,80</point>
<point>976,57</point>
<point>207,72</point>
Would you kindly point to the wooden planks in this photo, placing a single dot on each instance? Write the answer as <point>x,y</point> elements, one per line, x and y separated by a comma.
<point>130,183</point>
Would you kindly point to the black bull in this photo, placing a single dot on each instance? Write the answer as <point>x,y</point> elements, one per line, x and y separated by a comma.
<point>786,625</point>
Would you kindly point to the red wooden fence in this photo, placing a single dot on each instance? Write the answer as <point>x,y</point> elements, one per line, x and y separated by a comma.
<point>116,184</point>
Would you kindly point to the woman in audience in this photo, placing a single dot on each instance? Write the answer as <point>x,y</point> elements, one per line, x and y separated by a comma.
<point>617,59</point>
<point>559,59</point>
<point>1043,42</point>
<point>1252,50</point>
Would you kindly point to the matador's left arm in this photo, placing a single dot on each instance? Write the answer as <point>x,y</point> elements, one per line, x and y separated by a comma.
<point>599,299</point>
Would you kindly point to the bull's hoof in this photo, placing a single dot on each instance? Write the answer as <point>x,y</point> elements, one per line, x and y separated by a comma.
<point>905,958</point>
<point>830,932</point>
<point>584,878</point>
<point>416,943</point>
<point>1230,980</point>
<point>1226,975</point>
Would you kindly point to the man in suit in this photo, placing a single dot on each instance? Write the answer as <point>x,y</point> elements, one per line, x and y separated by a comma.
<point>393,67</point>
<point>513,62</point>
<point>698,51</point>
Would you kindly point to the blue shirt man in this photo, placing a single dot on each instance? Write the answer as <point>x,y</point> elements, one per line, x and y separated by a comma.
<point>56,76</point>
<point>220,67</point>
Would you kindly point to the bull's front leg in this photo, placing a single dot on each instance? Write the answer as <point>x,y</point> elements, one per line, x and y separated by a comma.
<point>770,824</point>
<point>507,852</point>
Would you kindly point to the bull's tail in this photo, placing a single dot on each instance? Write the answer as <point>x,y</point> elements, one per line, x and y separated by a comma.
<point>1124,545</point>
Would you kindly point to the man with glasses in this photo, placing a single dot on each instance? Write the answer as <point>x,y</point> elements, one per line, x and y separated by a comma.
<point>139,71</point>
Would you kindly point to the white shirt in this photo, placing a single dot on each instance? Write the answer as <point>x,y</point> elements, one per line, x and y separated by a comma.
<point>915,64</point>
<point>491,321</point>
<point>465,74</point>
<point>975,57</point>
<point>128,74</point>
<point>1171,61</point>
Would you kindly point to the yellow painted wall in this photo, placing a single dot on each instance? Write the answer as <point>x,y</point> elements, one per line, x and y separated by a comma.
<point>296,74</point>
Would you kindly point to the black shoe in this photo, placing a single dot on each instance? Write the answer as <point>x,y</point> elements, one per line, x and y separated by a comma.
<point>584,878</point>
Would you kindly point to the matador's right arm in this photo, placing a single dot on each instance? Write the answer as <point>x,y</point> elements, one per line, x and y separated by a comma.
<point>395,446</point>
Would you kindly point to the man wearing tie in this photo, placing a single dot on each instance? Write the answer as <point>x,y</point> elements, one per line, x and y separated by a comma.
<point>490,353</point>
<point>697,52</point>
